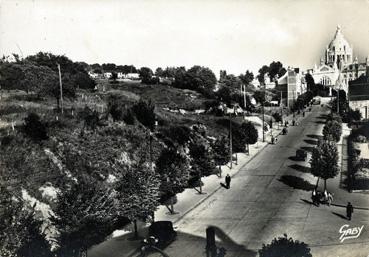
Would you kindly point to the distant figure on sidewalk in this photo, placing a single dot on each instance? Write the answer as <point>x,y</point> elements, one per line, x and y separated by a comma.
<point>349,210</point>
<point>228,181</point>
<point>314,197</point>
<point>330,198</point>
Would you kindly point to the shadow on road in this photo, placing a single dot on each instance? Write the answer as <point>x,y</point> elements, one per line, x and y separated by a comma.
<point>340,215</point>
<point>296,183</point>
<point>307,201</point>
<point>311,142</point>
<point>314,136</point>
<point>308,148</point>
<point>300,168</point>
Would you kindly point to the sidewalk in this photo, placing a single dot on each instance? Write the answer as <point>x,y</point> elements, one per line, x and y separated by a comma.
<point>186,201</point>
<point>341,195</point>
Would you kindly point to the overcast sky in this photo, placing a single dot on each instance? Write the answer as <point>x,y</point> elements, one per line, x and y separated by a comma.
<point>220,34</point>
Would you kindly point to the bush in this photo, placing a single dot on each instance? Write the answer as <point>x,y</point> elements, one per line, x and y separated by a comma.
<point>286,247</point>
<point>144,112</point>
<point>360,139</point>
<point>35,128</point>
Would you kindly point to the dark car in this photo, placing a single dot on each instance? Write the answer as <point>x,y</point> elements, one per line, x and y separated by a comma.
<point>164,233</point>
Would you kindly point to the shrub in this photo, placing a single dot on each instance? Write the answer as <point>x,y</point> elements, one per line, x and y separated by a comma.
<point>35,128</point>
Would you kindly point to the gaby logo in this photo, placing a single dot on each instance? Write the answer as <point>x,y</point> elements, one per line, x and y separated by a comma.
<point>350,233</point>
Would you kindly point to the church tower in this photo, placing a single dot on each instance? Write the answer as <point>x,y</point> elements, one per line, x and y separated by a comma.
<point>339,51</point>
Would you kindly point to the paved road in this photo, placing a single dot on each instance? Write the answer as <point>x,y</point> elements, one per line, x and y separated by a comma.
<point>269,197</point>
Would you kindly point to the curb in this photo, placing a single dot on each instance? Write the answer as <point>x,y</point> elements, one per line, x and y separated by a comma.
<point>219,187</point>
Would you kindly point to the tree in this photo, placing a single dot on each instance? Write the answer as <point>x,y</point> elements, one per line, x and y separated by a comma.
<point>114,76</point>
<point>173,168</point>
<point>262,71</point>
<point>286,247</point>
<point>145,113</point>
<point>197,78</point>
<point>84,215</point>
<point>221,152</point>
<point>352,115</point>
<point>276,70</point>
<point>90,118</point>
<point>116,107</point>
<point>311,84</point>
<point>20,232</point>
<point>259,96</point>
<point>159,72</point>
<point>138,190</point>
<point>247,78</point>
<point>250,133</point>
<point>145,74</point>
<point>324,161</point>
<point>35,128</point>
<point>201,161</point>
<point>332,130</point>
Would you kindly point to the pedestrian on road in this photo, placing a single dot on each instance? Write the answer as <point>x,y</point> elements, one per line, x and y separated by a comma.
<point>228,181</point>
<point>314,197</point>
<point>349,210</point>
<point>330,198</point>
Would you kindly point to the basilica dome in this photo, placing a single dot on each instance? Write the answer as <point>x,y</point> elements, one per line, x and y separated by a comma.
<point>339,43</point>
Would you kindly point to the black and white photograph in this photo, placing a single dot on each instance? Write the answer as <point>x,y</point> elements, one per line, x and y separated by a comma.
<point>184,128</point>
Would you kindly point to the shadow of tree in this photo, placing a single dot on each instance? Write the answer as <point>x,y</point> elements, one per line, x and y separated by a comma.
<point>186,244</point>
<point>296,182</point>
<point>308,148</point>
<point>340,215</point>
<point>314,136</point>
<point>311,142</point>
<point>320,122</point>
<point>300,168</point>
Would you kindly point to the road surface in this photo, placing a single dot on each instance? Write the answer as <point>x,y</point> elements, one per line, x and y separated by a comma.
<point>269,197</point>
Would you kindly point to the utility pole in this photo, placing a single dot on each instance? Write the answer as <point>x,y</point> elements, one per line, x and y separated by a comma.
<point>263,102</point>
<point>230,140</point>
<point>244,97</point>
<point>61,89</point>
<point>338,101</point>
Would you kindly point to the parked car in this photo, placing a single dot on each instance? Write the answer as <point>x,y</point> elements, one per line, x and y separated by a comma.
<point>301,154</point>
<point>164,233</point>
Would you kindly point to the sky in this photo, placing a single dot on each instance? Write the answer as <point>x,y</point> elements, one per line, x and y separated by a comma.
<point>220,34</point>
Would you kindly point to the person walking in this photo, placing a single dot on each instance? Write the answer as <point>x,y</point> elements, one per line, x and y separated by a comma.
<point>349,210</point>
<point>228,181</point>
<point>330,198</point>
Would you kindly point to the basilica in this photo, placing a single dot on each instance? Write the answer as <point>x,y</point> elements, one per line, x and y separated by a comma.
<point>338,65</point>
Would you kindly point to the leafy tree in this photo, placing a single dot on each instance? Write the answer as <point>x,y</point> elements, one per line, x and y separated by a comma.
<point>116,107</point>
<point>262,71</point>
<point>20,232</point>
<point>138,190</point>
<point>332,130</point>
<point>110,67</point>
<point>11,76</point>
<point>221,152</point>
<point>114,76</point>
<point>201,162</point>
<point>145,113</point>
<point>146,75</point>
<point>259,96</point>
<point>159,72</point>
<point>324,161</point>
<point>276,69</point>
<point>247,78</point>
<point>311,84</point>
<point>84,216</point>
<point>173,168</point>
<point>90,118</point>
<point>286,247</point>
<point>35,128</point>
<point>197,78</point>
<point>250,133</point>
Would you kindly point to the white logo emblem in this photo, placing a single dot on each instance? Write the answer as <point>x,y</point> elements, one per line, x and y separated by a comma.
<point>350,233</point>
